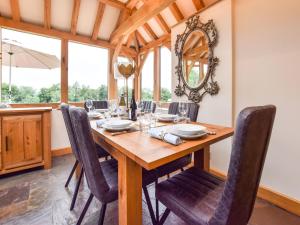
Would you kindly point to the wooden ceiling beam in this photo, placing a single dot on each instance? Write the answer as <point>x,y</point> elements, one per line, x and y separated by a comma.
<point>162,23</point>
<point>15,10</point>
<point>47,14</point>
<point>115,4</point>
<point>140,38</point>
<point>199,4</point>
<point>140,17</point>
<point>136,42</point>
<point>176,12</point>
<point>149,31</point>
<point>75,14</point>
<point>160,41</point>
<point>132,3</point>
<point>98,20</point>
<point>129,40</point>
<point>53,33</point>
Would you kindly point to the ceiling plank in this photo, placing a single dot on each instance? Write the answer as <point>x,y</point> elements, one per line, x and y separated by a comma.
<point>158,42</point>
<point>15,10</point>
<point>176,12</point>
<point>140,17</point>
<point>149,31</point>
<point>199,4</point>
<point>116,4</point>
<point>35,29</point>
<point>75,14</point>
<point>162,23</point>
<point>47,14</point>
<point>98,20</point>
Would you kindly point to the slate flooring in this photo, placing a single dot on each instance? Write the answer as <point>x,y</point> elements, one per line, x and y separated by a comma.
<point>38,197</point>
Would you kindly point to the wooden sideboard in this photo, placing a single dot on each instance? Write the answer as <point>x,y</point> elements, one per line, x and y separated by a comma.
<point>25,138</point>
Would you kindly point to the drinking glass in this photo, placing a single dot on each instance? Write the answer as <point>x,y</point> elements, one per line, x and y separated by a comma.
<point>182,108</point>
<point>89,104</point>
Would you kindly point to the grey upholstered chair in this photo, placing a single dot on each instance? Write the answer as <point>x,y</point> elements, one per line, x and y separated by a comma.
<point>173,108</point>
<point>101,152</point>
<point>98,105</point>
<point>148,105</point>
<point>200,198</point>
<point>102,178</point>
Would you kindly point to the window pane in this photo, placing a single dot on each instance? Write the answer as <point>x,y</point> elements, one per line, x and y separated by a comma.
<point>165,75</point>
<point>30,85</point>
<point>148,78</point>
<point>88,70</point>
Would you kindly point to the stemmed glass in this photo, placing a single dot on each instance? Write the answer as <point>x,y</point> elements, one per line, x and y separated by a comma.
<point>182,108</point>
<point>89,104</point>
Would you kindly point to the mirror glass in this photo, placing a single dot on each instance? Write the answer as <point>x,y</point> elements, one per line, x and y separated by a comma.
<point>195,58</point>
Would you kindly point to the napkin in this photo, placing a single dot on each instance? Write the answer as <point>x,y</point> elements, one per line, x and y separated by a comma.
<point>167,137</point>
<point>99,123</point>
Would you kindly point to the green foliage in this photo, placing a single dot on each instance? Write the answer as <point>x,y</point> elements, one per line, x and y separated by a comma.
<point>147,94</point>
<point>77,93</point>
<point>166,95</point>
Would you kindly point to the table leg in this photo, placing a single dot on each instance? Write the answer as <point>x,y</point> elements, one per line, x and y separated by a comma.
<point>202,158</point>
<point>130,191</point>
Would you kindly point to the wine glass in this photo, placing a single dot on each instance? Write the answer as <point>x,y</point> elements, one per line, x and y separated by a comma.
<point>89,104</point>
<point>182,108</point>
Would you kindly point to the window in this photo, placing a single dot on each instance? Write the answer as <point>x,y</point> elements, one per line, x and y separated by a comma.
<point>148,78</point>
<point>165,74</point>
<point>29,85</point>
<point>88,72</point>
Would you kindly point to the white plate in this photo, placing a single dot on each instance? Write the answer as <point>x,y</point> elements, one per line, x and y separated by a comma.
<point>188,137</point>
<point>94,115</point>
<point>166,117</point>
<point>118,123</point>
<point>112,129</point>
<point>101,110</point>
<point>189,129</point>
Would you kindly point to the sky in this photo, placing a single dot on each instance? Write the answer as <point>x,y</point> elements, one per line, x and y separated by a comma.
<point>87,65</point>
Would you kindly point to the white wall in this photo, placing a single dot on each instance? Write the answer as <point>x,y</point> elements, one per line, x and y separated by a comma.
<point>215,109</point>
<point>259,65</point>
<point>267,60</point>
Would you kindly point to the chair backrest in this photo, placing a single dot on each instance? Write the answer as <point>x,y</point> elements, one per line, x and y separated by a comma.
<point>98,105</point>
<point>250,144</point>
<point>147,106</point>
<point>86,145</point>
<point>192,112</point>
<point>173,108</point>
<point>65,112</point>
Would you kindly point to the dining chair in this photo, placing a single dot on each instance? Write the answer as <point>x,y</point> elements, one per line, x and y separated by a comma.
<point>147,105</point>
<point>97,104</point>
<point>173,108</point>
<point>200,198</point>
<point>102,177</point>
<point>100,152</point>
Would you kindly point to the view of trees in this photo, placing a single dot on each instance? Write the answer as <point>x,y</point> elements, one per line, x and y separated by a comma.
<point>77,93</point>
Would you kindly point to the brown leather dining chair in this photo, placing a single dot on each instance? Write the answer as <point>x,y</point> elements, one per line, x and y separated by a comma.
<point>100,152</point>
<point>200,198</point>
<point>102,177</point>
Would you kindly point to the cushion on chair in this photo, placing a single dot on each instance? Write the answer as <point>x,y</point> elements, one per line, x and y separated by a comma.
<point>193,195</point>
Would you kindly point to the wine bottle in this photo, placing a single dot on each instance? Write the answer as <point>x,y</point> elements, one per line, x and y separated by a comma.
<point>133,107</point>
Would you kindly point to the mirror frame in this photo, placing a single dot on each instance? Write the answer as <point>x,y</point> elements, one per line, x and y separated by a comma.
<point>208,85</point>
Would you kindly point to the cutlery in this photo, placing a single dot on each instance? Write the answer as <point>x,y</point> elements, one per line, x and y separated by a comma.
<point>210,132</point>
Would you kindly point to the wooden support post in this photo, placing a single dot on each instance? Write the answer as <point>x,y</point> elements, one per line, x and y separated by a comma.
<point>64,71</point>
<point>202,158</point>
<point>156,83</point>
<point>112,82</point>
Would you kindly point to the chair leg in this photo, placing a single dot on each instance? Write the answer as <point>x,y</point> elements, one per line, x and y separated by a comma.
<point>71,174</point>
<point>76,190</point>
<point>164,217</point>
<point>87,204</point>
<point>153,219</point>
<point>102,214</point>
<point>156,204</point>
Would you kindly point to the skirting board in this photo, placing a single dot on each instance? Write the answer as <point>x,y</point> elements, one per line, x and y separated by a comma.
<point>61,151</point>
<point>278,199</point>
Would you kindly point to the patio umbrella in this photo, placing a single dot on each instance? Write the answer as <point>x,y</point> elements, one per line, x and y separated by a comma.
<point>15,55</point>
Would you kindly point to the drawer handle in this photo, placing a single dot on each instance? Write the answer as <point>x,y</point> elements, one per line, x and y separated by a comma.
<point>6,143</point>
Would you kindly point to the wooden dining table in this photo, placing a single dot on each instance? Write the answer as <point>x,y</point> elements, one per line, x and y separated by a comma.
<point>137,150</point>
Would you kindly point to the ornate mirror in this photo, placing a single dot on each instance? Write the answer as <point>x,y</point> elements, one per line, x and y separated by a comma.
<point>196,61</point>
